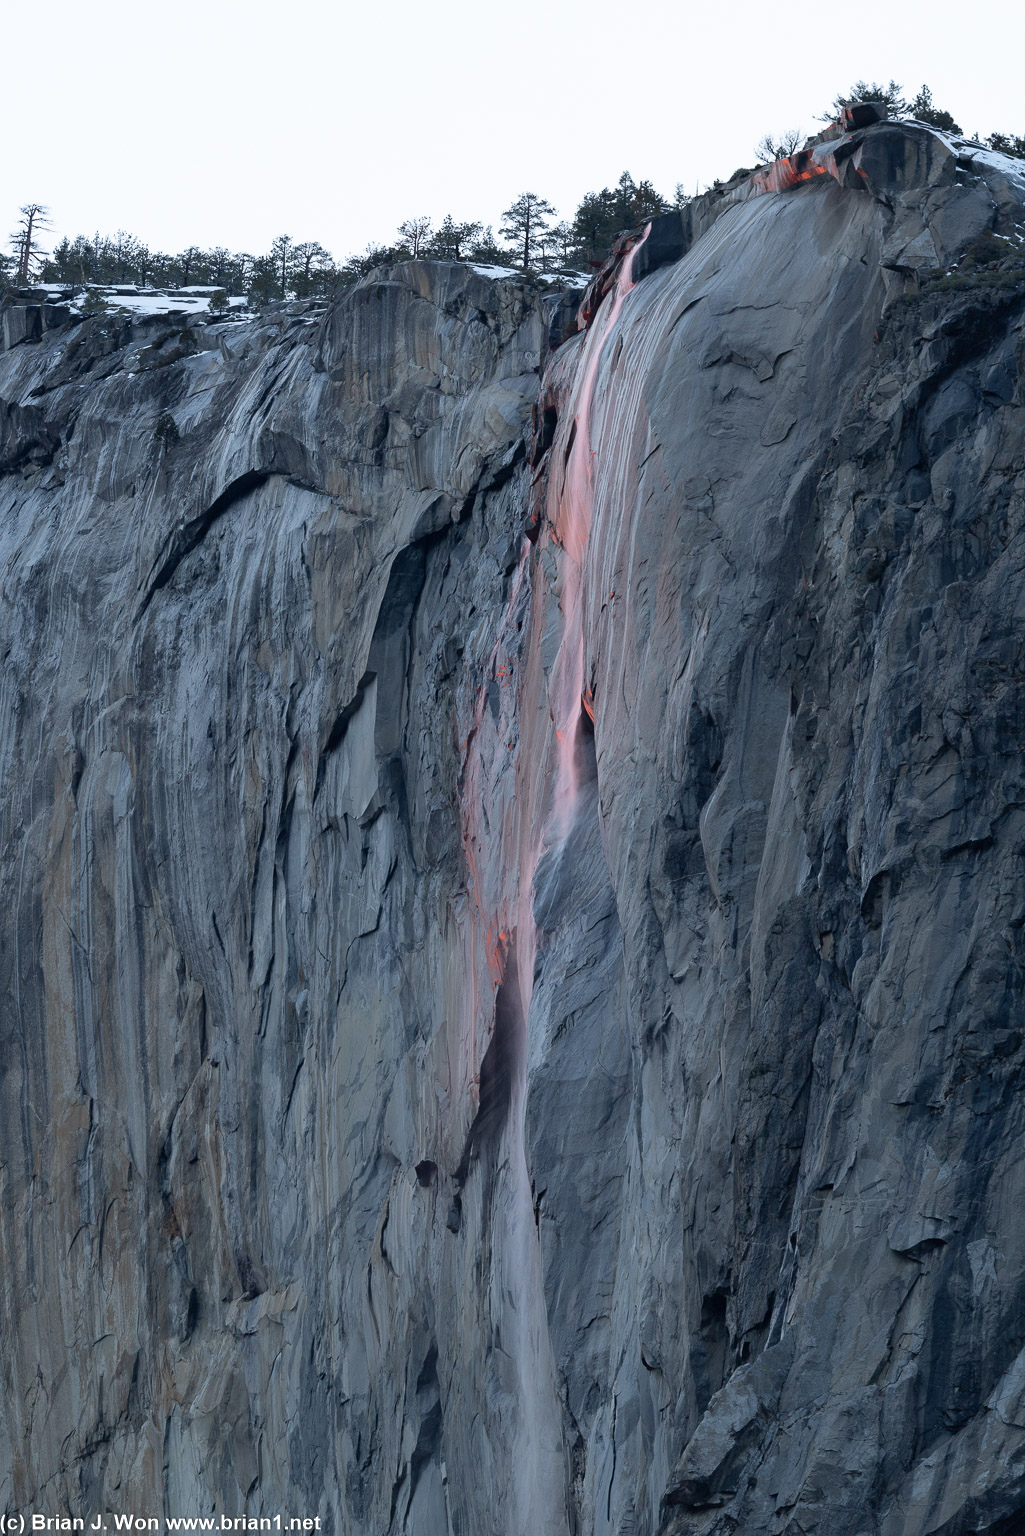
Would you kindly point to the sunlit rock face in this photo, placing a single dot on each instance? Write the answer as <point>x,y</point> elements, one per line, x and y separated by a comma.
<point>413,1120</point>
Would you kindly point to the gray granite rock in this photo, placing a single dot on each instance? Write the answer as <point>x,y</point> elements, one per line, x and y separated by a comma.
<point>378,1142</point>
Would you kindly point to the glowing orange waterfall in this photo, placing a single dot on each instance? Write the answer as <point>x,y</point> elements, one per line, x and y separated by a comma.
<point>570,506</point>
<point>507,827</point>
<point>519,795</point>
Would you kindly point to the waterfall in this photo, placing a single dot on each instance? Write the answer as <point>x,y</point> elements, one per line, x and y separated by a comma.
<point>520,792</point>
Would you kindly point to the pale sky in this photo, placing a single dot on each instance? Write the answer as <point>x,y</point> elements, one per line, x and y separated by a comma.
<point>228,124</point>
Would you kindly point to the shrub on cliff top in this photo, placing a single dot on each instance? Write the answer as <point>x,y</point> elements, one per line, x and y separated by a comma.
<point>1008,144</point>
<point>923,109</point>
<point>864,90</point>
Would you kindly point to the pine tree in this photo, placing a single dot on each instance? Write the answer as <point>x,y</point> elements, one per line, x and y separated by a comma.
<point>125,251</point>
<point>647,203</point>
<point>264,279</point>
<point>223,266</point>
<point>625,196</point>
<point>1008,144</point>
<point>485,248</point>
<point>923,110</point>
<point>415,233</point>
<point>186,264</point>
<point>281,259</point>
<point>863,90</point>
<point>451,241</point>
<point>562,237</point>
<point>524,222</point>
<point>596,224</point>
<point>313,269</point>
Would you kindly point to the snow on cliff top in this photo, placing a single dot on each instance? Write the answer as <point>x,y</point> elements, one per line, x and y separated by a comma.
<point>134,301</point>
<point>1010,165</point>
<point>487,269</point>
<point>562,278</point>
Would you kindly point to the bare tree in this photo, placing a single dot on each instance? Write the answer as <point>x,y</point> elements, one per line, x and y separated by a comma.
<point>770,148</point>
<point>25,239</point>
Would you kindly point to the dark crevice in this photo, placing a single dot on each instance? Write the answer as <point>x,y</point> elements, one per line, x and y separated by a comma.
<point>392,657</point>
<point>428,1443</point>
<point>336,735</point>
<point>499,1070</point>
<point>196,530</point>
<point>191,1314</point>
<point>217,934</point>
<point>490,483</point>
<point>291,1091</point>
<point>710,1352</point>
<point>395,1491</point>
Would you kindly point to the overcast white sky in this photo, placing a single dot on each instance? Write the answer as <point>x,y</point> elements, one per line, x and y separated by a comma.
<point>229,124</point>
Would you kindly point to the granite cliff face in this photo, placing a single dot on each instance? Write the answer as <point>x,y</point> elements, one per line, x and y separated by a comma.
<point>512,971</point>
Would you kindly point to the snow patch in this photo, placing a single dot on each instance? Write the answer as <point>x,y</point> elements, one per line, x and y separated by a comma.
<point>563,278</point>
<point>486,270</point>
<point>971,149</point>
<point>1008,165</point>
<point>127,299</point>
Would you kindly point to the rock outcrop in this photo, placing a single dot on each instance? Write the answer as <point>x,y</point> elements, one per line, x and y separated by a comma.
<point>511,981</point>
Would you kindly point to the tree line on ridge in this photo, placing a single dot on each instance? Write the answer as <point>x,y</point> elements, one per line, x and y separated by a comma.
<point>528,237</point>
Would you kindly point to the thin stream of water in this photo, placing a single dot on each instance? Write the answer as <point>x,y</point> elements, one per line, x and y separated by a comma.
<point>510,821</point>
